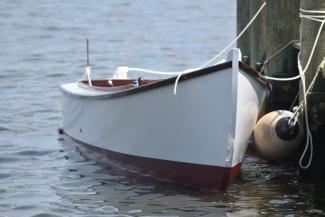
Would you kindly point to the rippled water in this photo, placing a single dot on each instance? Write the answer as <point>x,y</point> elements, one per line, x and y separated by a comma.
<point>42,46</point>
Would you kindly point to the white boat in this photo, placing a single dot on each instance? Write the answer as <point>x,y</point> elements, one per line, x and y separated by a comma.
<point>198,137</point>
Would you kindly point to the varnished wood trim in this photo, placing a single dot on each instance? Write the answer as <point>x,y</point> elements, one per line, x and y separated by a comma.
<point>252,72</point>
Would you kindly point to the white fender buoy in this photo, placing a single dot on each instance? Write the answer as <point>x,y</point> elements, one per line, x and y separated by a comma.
<point>275,139</point>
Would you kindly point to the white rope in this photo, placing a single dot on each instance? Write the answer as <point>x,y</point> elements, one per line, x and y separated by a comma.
<point>310,17</point>
<point>152,71</point>
<point>302,71</point>
<point>296,112</point>
<point>304,104</point>
<point>225,49</point>
<point>280,79</point>
<point>208,62</point>
<point>311,11</point>
<point>269,59</point>
<point>309,140</point>
<point>238,36</point>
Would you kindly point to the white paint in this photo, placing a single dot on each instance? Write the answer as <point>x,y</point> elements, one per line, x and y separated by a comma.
<point>250,97</point>
<point>208,122</point>
<point>235,56</point>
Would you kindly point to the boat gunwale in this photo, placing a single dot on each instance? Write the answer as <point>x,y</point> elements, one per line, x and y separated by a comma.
<point>186,76</point>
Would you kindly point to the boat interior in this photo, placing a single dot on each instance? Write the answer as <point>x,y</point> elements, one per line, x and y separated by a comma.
<point>120,82</point>
<point>116,84</point>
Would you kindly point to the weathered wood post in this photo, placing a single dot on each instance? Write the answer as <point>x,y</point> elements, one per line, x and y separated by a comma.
<point>258,35</point>
<point>243,17</point>
<point>275,27</point>
<point>282,27</point>
<point>316,99</point>
<point>309,30</point>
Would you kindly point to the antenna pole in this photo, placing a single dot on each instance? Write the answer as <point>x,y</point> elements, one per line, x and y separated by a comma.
<point>87,43</point>
<point>87,68</point>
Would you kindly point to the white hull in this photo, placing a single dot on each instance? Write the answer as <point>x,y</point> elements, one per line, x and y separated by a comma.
<point>208,122</point>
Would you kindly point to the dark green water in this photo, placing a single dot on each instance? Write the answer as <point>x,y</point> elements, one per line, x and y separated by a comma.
<point>42,46</point>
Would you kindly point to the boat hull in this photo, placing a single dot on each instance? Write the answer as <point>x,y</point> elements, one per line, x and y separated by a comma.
<point>198,137</point>
<point>203,177</point>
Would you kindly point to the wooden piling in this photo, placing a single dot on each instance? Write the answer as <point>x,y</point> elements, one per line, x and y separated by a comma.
<point>258,36</point>
<point>308,34</point>
<point>282,27</point>
<point>243,17</point>
<point>276,26</point>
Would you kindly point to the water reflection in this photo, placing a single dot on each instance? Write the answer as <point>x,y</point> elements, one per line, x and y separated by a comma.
<point>262,190</point>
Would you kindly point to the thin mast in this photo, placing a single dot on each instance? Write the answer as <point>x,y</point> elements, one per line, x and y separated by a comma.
<point>87,44</point>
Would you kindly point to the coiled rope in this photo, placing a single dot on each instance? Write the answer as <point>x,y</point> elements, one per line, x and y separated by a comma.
<point>180,73</point>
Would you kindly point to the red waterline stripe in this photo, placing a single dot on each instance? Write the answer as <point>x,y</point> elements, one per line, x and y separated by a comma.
<point>194,175</point>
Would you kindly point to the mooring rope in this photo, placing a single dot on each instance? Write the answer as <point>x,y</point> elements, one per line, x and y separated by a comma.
<point>180,73</point>
<point>318,16</point>
<point>314,16</point>
<point>267,61</point>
